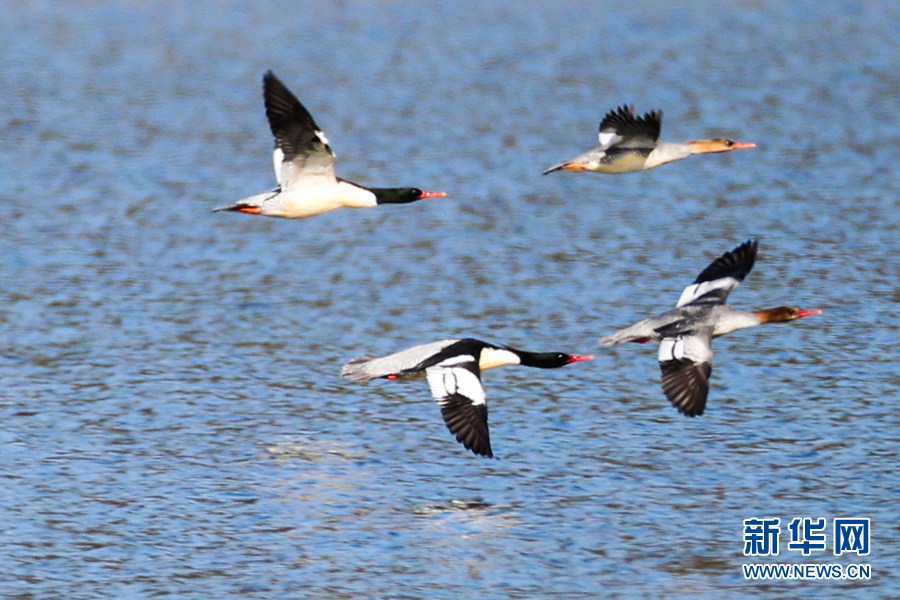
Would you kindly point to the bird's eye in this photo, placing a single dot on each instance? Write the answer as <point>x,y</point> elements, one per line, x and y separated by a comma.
<point>416,192</point>
<point>729,143</point>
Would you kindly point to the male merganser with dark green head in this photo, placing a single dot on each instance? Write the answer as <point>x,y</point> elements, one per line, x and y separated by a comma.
<point>304,167</point>
<point>453,370</point>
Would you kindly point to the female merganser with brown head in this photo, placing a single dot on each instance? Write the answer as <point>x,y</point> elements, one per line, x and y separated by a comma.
<point>304,167</point>
<point>629,143</point>
<point>685,333</point>
<point>453,370</point>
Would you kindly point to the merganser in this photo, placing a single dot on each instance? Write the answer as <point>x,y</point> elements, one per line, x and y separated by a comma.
<point>453,370</point>
<point>685,333</point>
<point>304,167</point>
<point>629,143</point>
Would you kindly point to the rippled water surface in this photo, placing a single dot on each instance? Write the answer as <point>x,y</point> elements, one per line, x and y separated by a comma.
<point>171,418</point>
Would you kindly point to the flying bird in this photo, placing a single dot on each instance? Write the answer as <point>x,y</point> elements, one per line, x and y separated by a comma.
<point>685,333</point>
<point>629,143</point>
<point>453,370</point>
<point>304,167</point>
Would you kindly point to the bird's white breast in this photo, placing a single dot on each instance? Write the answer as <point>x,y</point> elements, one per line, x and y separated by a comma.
<point>492,358</point>
<point>666,152</point>
<point>628,162</point>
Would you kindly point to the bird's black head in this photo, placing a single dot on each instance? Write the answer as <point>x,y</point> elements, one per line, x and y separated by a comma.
<point>402,195</point>
<point>550,360</point>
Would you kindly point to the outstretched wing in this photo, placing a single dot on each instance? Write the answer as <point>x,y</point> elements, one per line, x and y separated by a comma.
<point>456,385</point>
<point>716,281</point>
<point>302,153</point>
<point>686,364</point>
<point>623,129</point>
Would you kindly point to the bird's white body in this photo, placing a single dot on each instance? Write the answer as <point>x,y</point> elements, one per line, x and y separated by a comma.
<point>304,167</point>
<point>301,202</point>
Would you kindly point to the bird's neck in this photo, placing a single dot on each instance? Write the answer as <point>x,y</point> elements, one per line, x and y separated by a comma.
<point>541,360</point>
<point>666,152</point>
<point>393,195</point>
<point>732,319</point>
<point>779,314</point>
<point>498,357</point>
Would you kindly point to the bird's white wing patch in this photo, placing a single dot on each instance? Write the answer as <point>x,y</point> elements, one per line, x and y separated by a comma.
<point>694,348</point>
<point>455,376</point>
<point>609,138</point>
<point>667,349</point>
<point>307,171</point>
<point>307,168</point>
<point>277,160</point>
<point>457,360</point>
<point>698,290</point>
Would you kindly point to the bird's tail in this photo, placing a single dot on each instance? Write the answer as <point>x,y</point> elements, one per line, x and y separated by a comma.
<point>240,207</point>
<point>555,168</point>
<point>356,369</point>
<point>634,333</point>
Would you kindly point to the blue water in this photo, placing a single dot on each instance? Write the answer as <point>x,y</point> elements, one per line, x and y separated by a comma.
<point>171,418</point>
